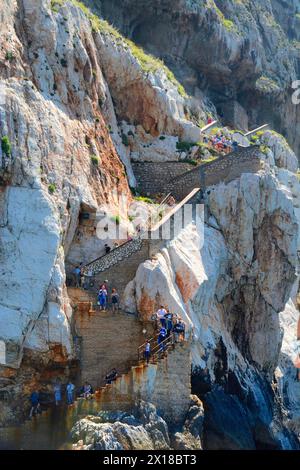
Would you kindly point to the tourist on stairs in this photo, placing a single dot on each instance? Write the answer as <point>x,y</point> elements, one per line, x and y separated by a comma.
<point>57,393</point>
<point>70,393</point>
<point>102,299</point>
<point>147,351</point>
<point>111,376</point>
<point>169,322</point>
<point>115,300</point>
<point>77,273</point>
<point>35,404</point>
<point>86,391</point>
<point>179,330</point>
<point>161,337</point>
<point>161,315</point>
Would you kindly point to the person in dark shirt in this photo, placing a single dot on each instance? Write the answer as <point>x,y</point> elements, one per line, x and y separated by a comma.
<point>169,322</point>
<point>179,330</point>
<point>115,300</point>
<point>111,376</point>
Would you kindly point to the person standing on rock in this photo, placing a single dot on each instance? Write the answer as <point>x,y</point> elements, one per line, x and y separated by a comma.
<point>57,393</point>
<point>70,393</point>
<point>115,300</point>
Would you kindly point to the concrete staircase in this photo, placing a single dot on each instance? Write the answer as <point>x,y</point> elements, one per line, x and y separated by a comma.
<point>164,382</point>
<point>107,340</point>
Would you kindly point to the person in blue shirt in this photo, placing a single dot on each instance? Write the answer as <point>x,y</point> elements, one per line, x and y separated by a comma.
<point>161,337</point>
<point>35,403</point>
<point>102,299</point>
<point>70,393</point>
<point>57,393</point>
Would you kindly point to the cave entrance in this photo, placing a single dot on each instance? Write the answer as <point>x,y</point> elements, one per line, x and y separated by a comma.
<point>85,245</point>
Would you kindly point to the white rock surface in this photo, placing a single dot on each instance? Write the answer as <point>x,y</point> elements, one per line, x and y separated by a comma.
<point>283,154</point>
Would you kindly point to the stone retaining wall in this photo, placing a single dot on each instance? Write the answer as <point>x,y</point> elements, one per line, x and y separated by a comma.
<point>152,176</point>
<point>166,384</point>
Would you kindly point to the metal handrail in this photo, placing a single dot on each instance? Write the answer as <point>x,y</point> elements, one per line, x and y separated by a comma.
<point>162,347</point>
<point>157,349</point>
<point>142,347</point>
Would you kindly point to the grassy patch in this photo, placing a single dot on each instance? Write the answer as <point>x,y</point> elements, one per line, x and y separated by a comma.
<point>148,200</point>
<point>56,4</point>
<point>208,160</point>
<point>228,24</point>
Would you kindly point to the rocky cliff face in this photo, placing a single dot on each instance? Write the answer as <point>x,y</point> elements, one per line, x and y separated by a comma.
<point>230,293</point>
<point>78,102</point>
<point>243,56</point>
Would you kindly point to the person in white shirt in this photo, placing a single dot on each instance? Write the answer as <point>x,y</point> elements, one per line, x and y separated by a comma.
<point>160,314</point>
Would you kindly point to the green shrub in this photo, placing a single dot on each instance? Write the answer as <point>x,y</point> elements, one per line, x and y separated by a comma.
<point>125,140</point>
<point>162,137</point>
<point>6,146</point>
<point>95,160</point>
<point>64,62</point>
<point>9,56</point>
<point>184,146</point>
<point>51,188</point>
